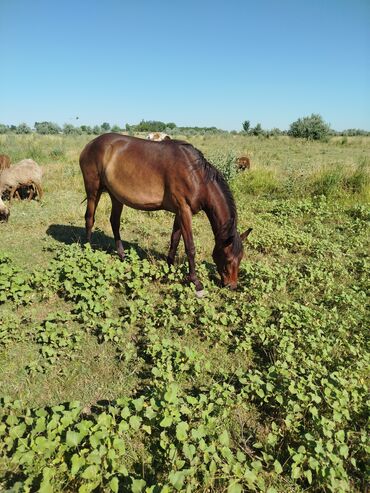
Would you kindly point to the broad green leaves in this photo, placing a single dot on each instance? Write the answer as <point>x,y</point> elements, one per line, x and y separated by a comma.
<point>283,402</point>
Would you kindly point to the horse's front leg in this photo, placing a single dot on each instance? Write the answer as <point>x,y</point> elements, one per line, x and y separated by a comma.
<point>175,238</point>
<point>187,234</point>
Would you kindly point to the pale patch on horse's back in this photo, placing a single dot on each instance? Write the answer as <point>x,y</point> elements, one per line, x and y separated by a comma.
<point>158,136</point>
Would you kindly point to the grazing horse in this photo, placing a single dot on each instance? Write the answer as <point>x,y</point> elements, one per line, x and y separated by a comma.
<point>170,175</point>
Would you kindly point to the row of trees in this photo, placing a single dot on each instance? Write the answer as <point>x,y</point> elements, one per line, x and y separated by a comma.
<point>310,127</point>
<point>169,128</point>
<point>51,128</point>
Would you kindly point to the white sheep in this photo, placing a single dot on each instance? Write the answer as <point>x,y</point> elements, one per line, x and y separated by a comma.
<point>158,136</point>
<point>26,173</point>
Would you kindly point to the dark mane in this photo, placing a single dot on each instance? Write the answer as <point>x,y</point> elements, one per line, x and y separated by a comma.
<point>228,232</point>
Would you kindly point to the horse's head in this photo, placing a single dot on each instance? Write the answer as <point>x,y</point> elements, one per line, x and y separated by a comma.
<point>4,211</point>
<point>227,256</point>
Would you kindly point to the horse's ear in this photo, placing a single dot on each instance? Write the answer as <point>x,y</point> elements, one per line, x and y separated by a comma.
<point>246,233</point>
<point>228,241</point>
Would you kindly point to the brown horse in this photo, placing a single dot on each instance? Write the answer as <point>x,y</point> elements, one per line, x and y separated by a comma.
<point>170,175</point>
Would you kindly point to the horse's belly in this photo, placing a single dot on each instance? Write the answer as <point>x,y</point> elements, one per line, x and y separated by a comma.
<point>137,193</point>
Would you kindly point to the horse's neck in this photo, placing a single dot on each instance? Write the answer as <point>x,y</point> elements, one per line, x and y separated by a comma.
<point>219,212</point>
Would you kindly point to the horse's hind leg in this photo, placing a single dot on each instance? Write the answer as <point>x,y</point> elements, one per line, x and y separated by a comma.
<point>175,238</point>
<point>92,203</point>
<point>115,218</point>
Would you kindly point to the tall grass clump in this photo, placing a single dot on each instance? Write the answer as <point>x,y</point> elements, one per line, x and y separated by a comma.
<point>259,181</point>
<point>359,180</point>
<point>340,180</point>
<point>42,148</point>
<point>224,162</point>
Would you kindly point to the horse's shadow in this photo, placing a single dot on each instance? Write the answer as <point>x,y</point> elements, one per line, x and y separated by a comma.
<point>68,234</point>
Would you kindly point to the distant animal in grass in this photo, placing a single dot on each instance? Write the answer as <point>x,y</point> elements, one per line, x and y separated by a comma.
<point>4,162</point>
<point>18,180</point>
<point>243,163</point>
<point>158,136</point>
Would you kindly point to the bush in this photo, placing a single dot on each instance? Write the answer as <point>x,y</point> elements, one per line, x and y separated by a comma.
<point>310,127</point>
<point>69,129</point>
<point>23,128</point>
<point>47,128</point>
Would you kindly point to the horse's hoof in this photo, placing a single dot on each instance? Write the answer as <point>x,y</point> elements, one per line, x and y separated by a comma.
<point>201,293</point>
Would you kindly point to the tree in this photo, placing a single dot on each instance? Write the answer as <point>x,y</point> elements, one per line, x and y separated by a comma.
<point>105,126</point>
<point>97,130</point>
<point>3,128</point>
<point>246,126</point>
<point>69,129</point>
<point>310,127</point>
<point>116,128</point>
<point>257,130</point>
<point>23,128</point>
<point>150,126</point>
<point>86,129</point>
<point>47,128</point>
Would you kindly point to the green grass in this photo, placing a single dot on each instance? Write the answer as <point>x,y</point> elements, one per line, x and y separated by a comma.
<point>263,389</point>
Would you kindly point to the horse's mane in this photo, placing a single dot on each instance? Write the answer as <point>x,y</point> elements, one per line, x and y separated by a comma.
<point>228,231</point>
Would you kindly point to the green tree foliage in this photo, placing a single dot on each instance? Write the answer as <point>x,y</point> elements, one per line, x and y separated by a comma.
<point>3,128</point>
<point>47,128</point>
<point>86,129</point>
<point>150,126</point>
<point>105,126</point>
<point>69,129</point>
<point>246,126</point>
<point>352,132</point>
<point>116,128</point>
<point>23,128</point>
<point>310,127</point>
<point>257,130</point>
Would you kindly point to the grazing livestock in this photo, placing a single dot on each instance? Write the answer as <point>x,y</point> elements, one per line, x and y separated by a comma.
<point>172,176</point>
<point>4,162</point>
<point>158,136</point>
<point>24,174</point>
<point>243,163</point>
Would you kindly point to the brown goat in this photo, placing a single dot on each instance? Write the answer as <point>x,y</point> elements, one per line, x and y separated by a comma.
<point>243,163</point>
<point>4,162</point>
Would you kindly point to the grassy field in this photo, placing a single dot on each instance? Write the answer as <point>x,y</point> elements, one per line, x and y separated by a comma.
<point>115,377</point>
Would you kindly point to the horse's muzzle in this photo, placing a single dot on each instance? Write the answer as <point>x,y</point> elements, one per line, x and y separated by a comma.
<point>230,285</point>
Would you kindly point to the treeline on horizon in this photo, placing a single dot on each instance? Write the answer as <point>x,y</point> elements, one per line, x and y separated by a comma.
<point>311,127</point>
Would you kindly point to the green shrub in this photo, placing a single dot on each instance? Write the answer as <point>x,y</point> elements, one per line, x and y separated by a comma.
<point>310,127</point>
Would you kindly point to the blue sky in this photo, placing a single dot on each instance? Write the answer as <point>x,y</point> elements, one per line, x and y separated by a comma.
<point>205,63</point>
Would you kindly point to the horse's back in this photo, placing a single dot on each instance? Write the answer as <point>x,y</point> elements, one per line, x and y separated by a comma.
<point>139,173</point>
